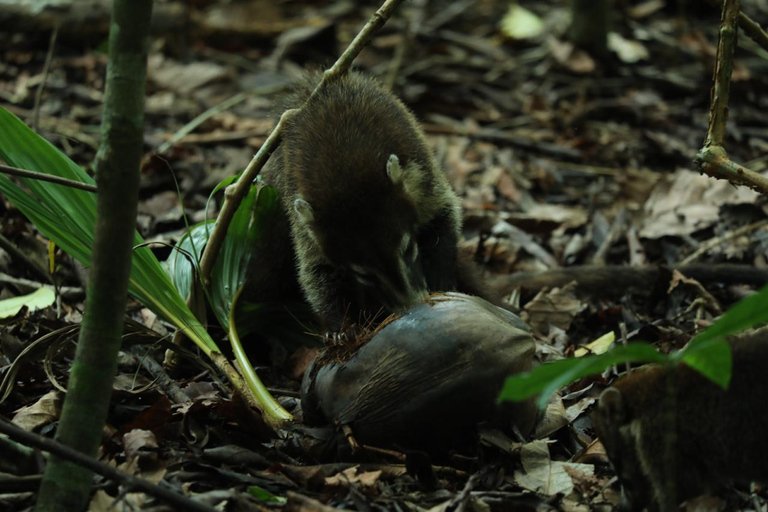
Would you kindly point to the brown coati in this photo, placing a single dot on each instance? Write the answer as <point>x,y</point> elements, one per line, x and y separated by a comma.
<point>673,434</point>
<point>373,222</point>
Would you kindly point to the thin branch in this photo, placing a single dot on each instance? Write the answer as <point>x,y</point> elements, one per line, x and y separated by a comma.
<point>22,257</point>
<point>41,176</point>
<point>718,113</point>
<point>129,481</point>
<point>753,30</point>
<point>46,70</point>
<point>239,190</point>
<point>712,159</point>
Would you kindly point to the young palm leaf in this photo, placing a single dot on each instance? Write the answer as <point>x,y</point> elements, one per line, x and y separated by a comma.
<point>68,217</point>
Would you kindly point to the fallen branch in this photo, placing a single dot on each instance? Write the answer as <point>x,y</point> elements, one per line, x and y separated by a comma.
<point>129,481</point>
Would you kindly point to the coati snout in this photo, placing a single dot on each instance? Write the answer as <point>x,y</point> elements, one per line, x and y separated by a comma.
<point>368,224</point>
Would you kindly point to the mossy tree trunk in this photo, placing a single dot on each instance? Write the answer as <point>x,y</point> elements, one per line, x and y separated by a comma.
<point>65,486</point>
<point>590,23</point>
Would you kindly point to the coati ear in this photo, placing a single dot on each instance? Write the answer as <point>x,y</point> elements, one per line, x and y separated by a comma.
<point>304,210</point>
<point>611,407</point>
<point>394,171</point>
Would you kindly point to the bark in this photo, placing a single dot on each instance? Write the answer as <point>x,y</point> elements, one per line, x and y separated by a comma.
<point>65,486</point>
<point>590,23</point>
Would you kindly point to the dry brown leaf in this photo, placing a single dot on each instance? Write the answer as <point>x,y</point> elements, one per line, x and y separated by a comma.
<point>140,443</point>
<point>42,412</point>
<point>686,202</point>
<point>351,476</point>
<point>570,57</point>
<point>557,307</point>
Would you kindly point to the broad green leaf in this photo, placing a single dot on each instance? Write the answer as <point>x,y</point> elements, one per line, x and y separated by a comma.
<point>39,299</point>
<point>548,378</point>
<point>68,217</point>
<point>712,358</point>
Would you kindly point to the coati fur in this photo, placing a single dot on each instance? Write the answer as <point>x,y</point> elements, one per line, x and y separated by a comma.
<point>673,434</point>
<point>368,224</point>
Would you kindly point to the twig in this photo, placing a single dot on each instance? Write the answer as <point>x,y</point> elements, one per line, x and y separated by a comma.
<point>224,105</point>
<point>67,292</point>
<point>41,176</point>
<point>18,254</point>
<point>714,242</point>
<point>239,190</point>
<point>712,158</point>
<point>753,30</point>
<point>46,70</point>
<point>197,121</point>
<point>49,445</point>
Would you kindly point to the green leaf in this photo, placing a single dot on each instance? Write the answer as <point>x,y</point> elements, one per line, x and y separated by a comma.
<point>183,264</point>
<point>253,215</point>
<point>39,299</point>
<point>229,272</point>
<point>264,495</point>
<point>68,217</point>
<point>548,378</point>
<point>712,358</point>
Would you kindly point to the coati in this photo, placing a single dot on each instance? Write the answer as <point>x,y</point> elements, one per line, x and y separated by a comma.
<point>673,434</point>
<point>373,222</point>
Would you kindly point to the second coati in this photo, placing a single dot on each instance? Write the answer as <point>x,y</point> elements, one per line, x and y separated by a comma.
<point>368,224</point>
<point>673,434</point>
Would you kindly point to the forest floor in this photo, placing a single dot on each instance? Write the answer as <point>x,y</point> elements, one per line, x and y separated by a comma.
<point>560,159</point>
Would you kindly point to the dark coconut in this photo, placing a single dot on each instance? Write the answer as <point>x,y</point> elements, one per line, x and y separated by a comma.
<point>427,378</point>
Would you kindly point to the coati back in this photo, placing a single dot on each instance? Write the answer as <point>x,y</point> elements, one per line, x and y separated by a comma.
<point>373,222</point>
<point>673,434</point>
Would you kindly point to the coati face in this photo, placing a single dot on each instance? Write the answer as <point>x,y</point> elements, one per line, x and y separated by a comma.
<point>620,435</point>
<point>371,238</point>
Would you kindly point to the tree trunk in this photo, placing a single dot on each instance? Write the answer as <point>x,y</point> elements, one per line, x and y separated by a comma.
<point>590,23</point>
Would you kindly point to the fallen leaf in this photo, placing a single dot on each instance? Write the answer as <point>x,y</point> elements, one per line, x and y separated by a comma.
<point>39,299</point>
<point>351,476</point>
<point>44,411</point>
<point>572,58</point>
<point>686,202</point>
<point>599,346</point>
<point>545,476</point>
<point>627,50</point>
<point>520,23</point>
<point>140,443</point>
<point>557,307</point>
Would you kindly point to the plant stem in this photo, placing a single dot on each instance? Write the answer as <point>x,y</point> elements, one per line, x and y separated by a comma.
<point>66,486</point>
